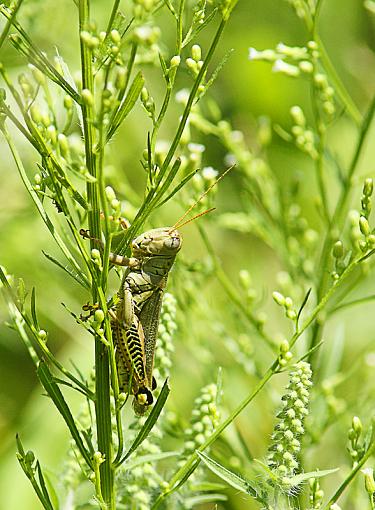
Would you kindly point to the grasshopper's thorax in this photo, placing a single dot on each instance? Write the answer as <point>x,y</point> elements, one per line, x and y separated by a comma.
<point>164,242</point>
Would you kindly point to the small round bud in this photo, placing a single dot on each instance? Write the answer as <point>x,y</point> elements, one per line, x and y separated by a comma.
<point>306,66</point>
<point>42,334</point>
<point>99,316</point>
<point>110,194</point>
<point>87,97</point>
<point>115,204</point>
<point>175,61</point>
<point>115,36</point>
<point>95,254</point>
<point>369,480</point>
<point>245,279</point>
<point>278,298</point>
<point>368,187</point>
<point>68,102</point>
<point>298,115</point>
<point>63,144</point>
<point>196,52</point>
<point>338,250</point>
<point>35,113</point>
<point>364,226</point>
<point>357,425</point>
<point>284,346</point>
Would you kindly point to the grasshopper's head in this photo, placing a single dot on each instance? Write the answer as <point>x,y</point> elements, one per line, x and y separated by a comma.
<point>164,241</point>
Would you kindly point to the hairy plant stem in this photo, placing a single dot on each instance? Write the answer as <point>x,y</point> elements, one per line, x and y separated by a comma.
<point>102,376</point>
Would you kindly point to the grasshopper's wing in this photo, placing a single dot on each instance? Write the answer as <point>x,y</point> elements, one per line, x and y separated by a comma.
<point>149,318</point>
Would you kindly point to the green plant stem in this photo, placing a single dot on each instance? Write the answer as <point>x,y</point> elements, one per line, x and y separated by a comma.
<point>102,376</point>
<point>152,198</point>
<point>351,475</point>
<point>9,22</point>
<point>338,217</point>
<point>193,460</point>
<point>331,71</point>
<point>112,17</point>
<point>171,77</point>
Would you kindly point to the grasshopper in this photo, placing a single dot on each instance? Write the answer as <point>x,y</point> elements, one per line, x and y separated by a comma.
<point>135,317</point>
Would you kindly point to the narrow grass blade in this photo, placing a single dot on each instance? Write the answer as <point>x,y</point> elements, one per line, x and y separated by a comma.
<point>57,397</point>
<point>231,478</point>
<point>150,422</point>
<point>127,104</point>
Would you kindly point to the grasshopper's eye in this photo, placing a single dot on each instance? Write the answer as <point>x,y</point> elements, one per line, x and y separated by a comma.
<point>172,242</point>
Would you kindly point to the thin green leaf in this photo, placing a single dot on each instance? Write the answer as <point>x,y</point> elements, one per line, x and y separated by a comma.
<point>204,498</point>
<point>304,302</point>
<point>192,33</point>
<point>52,491</point>
<point>33,310</point>
<point>127,104</point>
<point>367,256</point>
<point>231,478</point>
<point>164,67</point>
<point>216,72</point>
<point>42,483</point>
<point>168,180</point>
<point>75,276</point>
<point>150,422</point>
<point>228,476</point>
<point>87,393</point>
<point>57,397</point>
<point>298,479</point>
<point>152,457</point>
<point>207,486</point>
<point>175,190</point>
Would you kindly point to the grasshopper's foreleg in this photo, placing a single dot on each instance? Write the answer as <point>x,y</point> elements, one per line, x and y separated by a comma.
<point>118,260</point>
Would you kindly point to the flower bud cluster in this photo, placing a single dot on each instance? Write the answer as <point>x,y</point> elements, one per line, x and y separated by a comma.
<point>338,253</point>
<point>356,448</point>
<point>284,353</point>
<point>304,9</point>
<point>369,482</point>
<point>286,445</point>
<point>195,62</point>
<point>368,188</point>
<point>205,418</point>
<point>303,136</point>
<point>148,103</point>
<point>316,494</point>
<point>147,36</point>
<point>114,203</point>
<point>295,61</point>
<point>101,42</point>
<point>365,236</point>
<point>287,304</point>
<point>142,8</point>
<point>166,334</point>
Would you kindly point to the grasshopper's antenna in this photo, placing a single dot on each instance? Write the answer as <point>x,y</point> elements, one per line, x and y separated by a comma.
<point>178,222</point>
<point>179,225</point>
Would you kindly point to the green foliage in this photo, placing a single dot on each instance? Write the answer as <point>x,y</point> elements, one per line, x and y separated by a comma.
<point>133,64</point>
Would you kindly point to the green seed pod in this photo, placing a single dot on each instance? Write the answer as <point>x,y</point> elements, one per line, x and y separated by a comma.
<point>364,226</point>
<point>338,250</point>
<point>368,187</point>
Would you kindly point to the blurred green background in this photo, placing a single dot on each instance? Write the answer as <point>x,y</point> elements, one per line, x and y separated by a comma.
<point>244,91</point>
